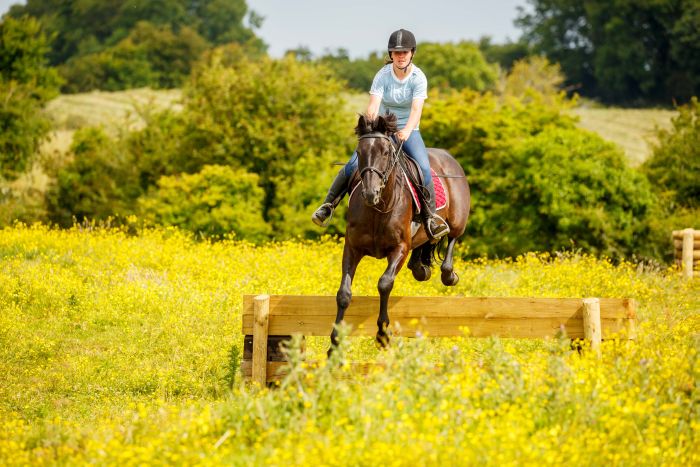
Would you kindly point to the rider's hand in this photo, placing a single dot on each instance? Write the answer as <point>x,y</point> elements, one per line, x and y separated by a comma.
<point>403,135</point>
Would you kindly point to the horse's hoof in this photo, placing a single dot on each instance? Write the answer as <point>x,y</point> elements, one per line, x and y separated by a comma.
<point>449,278</point>
<point>382,341</point>
<point>421,272</point>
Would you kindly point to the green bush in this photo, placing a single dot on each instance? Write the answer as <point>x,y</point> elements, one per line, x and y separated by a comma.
<point>538,183</point>
<point>26,84</point>
<point>457,66</point>
<point>674,167</point>
<point>280,119</point>
<point>214,202</point>
<point>101,181</point>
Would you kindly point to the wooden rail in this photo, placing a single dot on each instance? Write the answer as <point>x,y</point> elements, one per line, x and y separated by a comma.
<point>271,319</point>
<point>686,245</point>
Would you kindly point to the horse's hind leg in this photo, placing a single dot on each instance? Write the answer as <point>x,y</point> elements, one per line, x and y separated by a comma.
<point>448,276</point>
<point>421,271</point>
<point>395,259</point>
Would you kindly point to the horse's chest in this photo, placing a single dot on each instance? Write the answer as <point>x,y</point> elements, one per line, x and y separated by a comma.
<point>376,244</point>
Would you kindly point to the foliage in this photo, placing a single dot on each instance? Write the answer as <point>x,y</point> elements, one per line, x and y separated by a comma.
<point>117,349</point>
<point>101,181</point>
<point>538,183</point>
<point>126,43</point>
<point>26,84</point>
<point>505,55</point>
<point>358,73</point>
<point>280,119</point>
<point>533,74</point>
<point>620,51</point>
<point>148,56</point>
<point>215,202</point>
<point>674,167</point>
<point>456,65</point>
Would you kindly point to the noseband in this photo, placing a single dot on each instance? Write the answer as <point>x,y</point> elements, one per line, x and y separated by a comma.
<point>394,159</point>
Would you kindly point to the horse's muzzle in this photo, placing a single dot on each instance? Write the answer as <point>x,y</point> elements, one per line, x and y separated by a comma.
<point>372,196</point>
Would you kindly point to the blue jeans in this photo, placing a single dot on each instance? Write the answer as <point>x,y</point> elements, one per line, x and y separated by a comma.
<point>416,150</point>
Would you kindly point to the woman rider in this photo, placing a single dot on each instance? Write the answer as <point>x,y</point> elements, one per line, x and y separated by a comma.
<point>399,87</point>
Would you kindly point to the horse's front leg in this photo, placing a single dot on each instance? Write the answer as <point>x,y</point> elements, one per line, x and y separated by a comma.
<point>351,258</point>
<point>395,259</point>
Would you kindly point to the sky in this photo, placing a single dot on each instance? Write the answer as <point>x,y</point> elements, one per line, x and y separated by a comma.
<point>364,26</point>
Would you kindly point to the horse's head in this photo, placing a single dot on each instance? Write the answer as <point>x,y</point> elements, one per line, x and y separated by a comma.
<point>375,153</point>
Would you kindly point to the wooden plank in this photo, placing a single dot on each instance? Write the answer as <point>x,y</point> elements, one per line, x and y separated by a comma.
<point>679,234</point>
<point>694,255</point>
<point>260,333</point>
<point>678,244</point>
<point>443,316</point>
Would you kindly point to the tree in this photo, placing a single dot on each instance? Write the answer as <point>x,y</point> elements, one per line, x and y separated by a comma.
<point>93,31</point>
<point>620,51</point>
<point>674,167</point>
<point>26,84</point>
<point>457,66</point>
<point>280,119</point>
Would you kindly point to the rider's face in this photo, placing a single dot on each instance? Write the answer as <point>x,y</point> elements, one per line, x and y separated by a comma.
<point>401,58</point>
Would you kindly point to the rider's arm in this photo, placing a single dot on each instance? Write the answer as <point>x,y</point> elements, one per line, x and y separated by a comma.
<point>413,119</point>
<point>373,107</point>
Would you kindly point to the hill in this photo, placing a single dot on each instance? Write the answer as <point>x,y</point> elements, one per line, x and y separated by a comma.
<point>631,129</point>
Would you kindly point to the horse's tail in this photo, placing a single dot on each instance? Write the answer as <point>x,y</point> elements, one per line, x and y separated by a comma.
<point>439,250</point>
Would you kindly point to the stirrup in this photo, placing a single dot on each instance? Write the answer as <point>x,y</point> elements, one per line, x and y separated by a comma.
<point>316,216</point>
<point>435,239</point>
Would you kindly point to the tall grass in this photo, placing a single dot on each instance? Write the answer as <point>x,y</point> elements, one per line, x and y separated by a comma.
<point>122,349</point>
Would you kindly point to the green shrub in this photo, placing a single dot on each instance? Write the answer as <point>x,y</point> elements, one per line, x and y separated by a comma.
<point>456,66</point>
<point>213,203</point>
<point>101,181</point>
<point>26,84</point>
<point>674,167</point>
<point>280,119</point>
<point>538,183</point>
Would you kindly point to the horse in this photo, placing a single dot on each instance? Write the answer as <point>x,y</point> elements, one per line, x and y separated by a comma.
<point>379,222</point>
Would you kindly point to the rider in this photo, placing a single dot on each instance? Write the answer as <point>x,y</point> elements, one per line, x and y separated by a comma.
<point>399,87</point>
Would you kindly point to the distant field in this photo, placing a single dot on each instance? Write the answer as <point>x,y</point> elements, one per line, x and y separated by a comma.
<point>112,110</point>
<point>631,129</point>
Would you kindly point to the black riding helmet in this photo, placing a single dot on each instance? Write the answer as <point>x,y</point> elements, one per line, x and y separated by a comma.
<point>402,40</point>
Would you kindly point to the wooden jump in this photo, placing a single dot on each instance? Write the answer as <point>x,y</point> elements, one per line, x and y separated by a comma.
<point>270,319</point>
<point>686,246</point>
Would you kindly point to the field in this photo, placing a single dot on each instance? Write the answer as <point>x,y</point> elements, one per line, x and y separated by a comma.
<point>122,349</point>
<point>632,130</point>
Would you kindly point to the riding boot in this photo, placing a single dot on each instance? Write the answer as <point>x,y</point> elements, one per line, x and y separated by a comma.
<point>323,214</point>
<point>434,224</point>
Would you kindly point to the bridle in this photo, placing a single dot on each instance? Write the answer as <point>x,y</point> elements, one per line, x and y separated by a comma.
<point>395,152</point>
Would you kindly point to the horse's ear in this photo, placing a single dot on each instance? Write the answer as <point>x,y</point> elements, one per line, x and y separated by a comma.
<point>381,125</point>
<point>363,125</point>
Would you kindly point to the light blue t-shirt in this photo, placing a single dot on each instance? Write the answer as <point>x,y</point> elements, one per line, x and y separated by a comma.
<point>397,95</point>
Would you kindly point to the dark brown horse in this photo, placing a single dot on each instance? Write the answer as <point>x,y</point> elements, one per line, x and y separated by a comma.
<point>379,221</point>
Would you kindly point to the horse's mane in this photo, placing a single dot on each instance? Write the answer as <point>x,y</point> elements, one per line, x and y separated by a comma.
<point>383,123</point>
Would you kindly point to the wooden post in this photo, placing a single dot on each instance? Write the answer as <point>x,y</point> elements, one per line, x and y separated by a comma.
<point>591,323</point>
<point>687,258</point>
<point>260,328</point>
